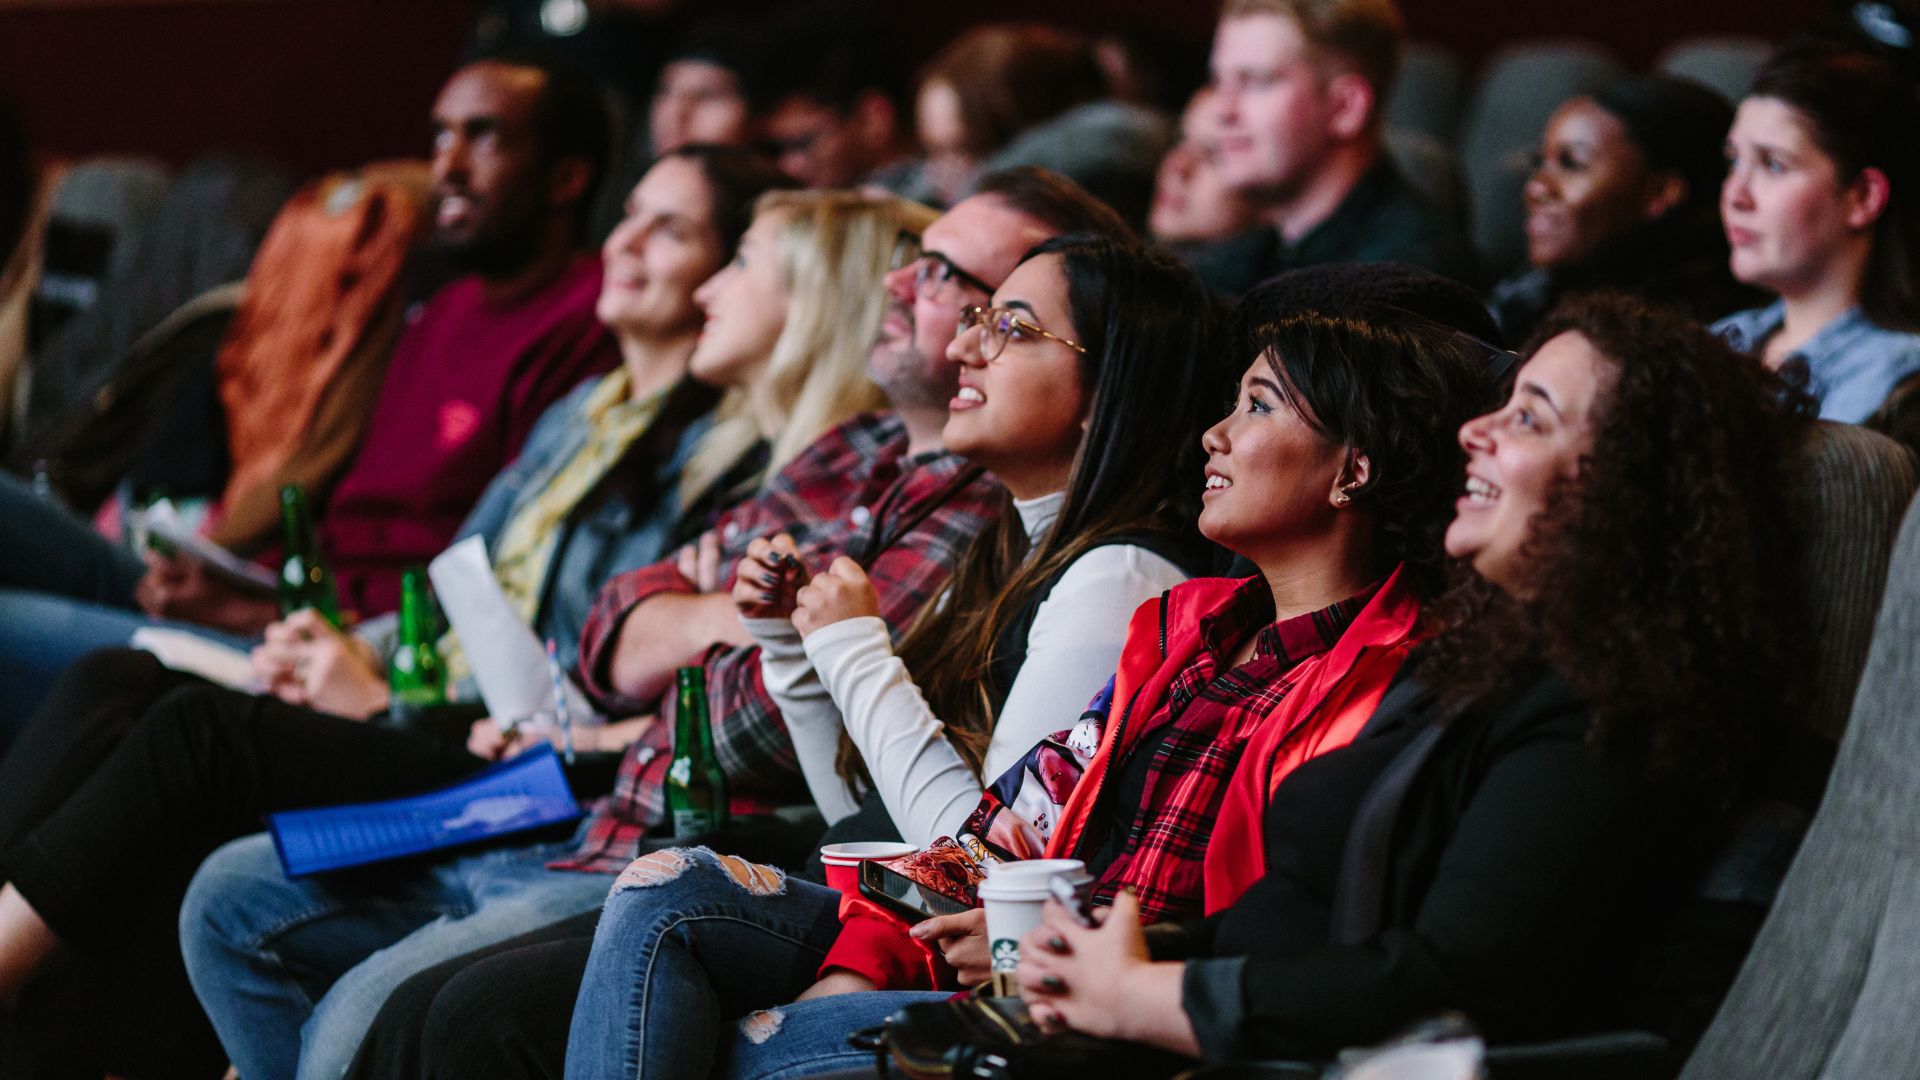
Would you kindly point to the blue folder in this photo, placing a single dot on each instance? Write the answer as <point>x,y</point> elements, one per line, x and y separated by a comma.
<point>526,792</point>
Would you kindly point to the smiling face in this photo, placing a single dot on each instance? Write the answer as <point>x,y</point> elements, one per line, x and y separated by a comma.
<point>1022,413</point>
<point>1191,197</point>
<point>983,237</point>
<point>1519,454</point>
<point>1270,475</point>
<point>1275,113</point>
<point>1590,186</point>
<point>659,254</point>
<point>746,308</point>
<point>1790,217</point>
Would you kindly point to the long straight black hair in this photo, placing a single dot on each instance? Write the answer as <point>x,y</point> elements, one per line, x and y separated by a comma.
<point>1153,379</point>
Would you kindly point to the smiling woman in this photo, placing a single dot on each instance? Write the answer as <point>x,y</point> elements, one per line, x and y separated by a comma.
<point>1622,197</point>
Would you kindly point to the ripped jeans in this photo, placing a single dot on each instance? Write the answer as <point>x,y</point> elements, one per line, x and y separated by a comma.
<point>690,940</point>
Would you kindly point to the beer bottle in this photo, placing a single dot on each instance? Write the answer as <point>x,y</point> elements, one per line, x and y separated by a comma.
<point>696,788</point>
<point>304,580</point>
<point>416,679</point>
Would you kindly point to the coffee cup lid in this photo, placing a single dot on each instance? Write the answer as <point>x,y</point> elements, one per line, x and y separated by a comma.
<point>865,850</point>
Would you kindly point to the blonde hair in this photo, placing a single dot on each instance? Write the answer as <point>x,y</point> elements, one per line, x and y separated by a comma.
<point>1371,35</point>
<point>833,251</point>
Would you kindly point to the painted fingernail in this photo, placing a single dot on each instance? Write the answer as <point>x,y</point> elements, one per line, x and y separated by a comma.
<point>1052,984</point>
<point>768,598</point>
<point>1057,944</point>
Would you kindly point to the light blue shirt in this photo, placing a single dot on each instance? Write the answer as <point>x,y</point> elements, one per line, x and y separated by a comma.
<point>1853,364</point>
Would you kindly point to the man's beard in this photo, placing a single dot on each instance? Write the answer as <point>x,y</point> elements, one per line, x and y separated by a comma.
<point>904,375</point>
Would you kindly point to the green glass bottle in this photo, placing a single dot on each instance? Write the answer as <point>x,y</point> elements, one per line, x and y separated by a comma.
<point>696,788</point>
<point>304,579</point>
<point>416,677</point>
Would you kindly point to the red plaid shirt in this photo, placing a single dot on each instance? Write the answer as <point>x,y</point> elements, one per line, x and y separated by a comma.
<point>1193,742</point>
<point>853,486</point>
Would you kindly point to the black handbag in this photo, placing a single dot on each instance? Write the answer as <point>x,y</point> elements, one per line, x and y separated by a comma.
<point>993,1038</point>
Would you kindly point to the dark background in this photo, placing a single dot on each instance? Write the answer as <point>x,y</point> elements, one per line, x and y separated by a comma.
<point>327,83</point>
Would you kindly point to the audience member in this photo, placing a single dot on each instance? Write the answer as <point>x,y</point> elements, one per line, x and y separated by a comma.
<point>1192,202</point>
<point>828,96</point>
<point>517,149</point>
<point>599,490</point>
<point>1508,837</point>
<point>881,487</point>
<point>700,97</point>
<point>985,87</point>
<point>1624,196</point>
<point>1819,206</point>
<point>1251,671</point>
<point>1301,88</point>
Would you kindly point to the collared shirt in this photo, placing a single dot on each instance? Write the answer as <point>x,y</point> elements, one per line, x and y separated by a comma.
<point>848,493</point>
<point>1852,365</point>
<point>1382,219</point>
<point>1162,799</point>
<point>1169,790</point>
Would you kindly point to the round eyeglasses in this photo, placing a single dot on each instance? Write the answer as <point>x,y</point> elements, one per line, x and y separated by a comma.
<point>999,325</point>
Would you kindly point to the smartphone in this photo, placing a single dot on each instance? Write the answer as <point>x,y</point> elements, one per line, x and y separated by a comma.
<point>1074,896</point>
<point>904,896</point>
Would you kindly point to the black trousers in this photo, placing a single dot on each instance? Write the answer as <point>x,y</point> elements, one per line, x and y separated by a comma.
<point>126,779</point>
<point>495,1013</point>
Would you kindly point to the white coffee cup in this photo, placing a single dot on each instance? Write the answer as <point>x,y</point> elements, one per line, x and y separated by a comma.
<point>1014,894</point>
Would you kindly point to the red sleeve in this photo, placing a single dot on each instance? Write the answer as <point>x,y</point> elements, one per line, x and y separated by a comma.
<point>875,944</point>
<point>601,633</point>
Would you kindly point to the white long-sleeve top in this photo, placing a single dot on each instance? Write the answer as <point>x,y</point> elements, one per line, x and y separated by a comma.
<point>846,676</point>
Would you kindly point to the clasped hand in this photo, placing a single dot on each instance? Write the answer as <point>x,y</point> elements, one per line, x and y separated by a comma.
<point>304,660</point>
<point>772,583</point>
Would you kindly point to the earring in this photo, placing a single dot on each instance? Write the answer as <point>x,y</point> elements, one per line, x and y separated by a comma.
<point>1341,498</point>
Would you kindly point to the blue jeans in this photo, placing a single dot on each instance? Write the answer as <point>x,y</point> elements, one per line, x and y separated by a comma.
<point>41,634</point>
<point>292,973</point>
<point>689,940</point>
<point>47,548</point>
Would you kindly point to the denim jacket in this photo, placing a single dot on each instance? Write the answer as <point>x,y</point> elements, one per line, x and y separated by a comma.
<point>1852,364</point>
<point>615,538</point>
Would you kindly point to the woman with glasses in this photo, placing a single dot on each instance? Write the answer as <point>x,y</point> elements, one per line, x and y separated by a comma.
<point>1081,387</point>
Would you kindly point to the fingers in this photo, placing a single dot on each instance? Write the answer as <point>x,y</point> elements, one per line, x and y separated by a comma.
<point>945,926</point>
<point>687,561</point>
<point>708,565</point>
<point>847,570</point>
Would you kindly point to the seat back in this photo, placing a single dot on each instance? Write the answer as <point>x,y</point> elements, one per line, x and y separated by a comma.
<point>1726,64</point>
<point>1853,487</point>
<point>1830,987</point>
<point>1426,96</point>
<point>1522,87</point>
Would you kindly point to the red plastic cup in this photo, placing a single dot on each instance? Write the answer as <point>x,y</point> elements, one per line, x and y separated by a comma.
<point>842,861</point>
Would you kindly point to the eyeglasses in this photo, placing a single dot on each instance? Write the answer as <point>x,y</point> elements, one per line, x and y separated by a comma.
<point>1000,324</point>
<point>933,271</point>
<point>906,249</point>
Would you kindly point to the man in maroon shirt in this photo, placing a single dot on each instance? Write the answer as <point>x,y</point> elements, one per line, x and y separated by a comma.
<point>517,147</point>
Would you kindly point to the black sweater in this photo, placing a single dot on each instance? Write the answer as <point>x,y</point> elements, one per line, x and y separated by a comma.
<point>1529,882</point>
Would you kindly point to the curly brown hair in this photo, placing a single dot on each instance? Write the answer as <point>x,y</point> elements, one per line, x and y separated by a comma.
<point>1655,575</point>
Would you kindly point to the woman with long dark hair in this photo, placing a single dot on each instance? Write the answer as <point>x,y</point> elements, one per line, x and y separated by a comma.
<point>1325,475</point>
<point>1822,208</point>
<point>1511,830</point>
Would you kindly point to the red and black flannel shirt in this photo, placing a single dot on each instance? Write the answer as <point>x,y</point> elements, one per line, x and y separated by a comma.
<point>835,498</point>
<point>1192,743</point>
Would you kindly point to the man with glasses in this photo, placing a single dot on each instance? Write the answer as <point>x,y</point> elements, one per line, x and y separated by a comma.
<point>301,968</point>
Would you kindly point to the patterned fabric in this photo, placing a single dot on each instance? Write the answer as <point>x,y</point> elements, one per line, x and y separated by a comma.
<point>845,494</point>
<point>1195,736</point>
<point>613,420</point>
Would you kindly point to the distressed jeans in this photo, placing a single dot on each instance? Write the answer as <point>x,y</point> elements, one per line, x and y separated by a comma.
<point>690,940</point>
<point>293,972</point>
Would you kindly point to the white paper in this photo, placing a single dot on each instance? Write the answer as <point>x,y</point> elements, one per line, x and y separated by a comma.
<point>185,651</point>
<point>163,521</point>
<point>508,663</point>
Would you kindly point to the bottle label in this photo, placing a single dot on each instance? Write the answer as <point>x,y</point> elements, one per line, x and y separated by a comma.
<point>692,822</point>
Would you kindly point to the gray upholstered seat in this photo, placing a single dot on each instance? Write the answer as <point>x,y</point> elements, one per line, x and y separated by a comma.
<point>1831,990</point>
<point>1426,96</point>
<point>1727,64</point>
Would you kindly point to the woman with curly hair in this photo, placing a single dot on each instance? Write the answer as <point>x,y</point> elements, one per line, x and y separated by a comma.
<point>1518,821</point>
